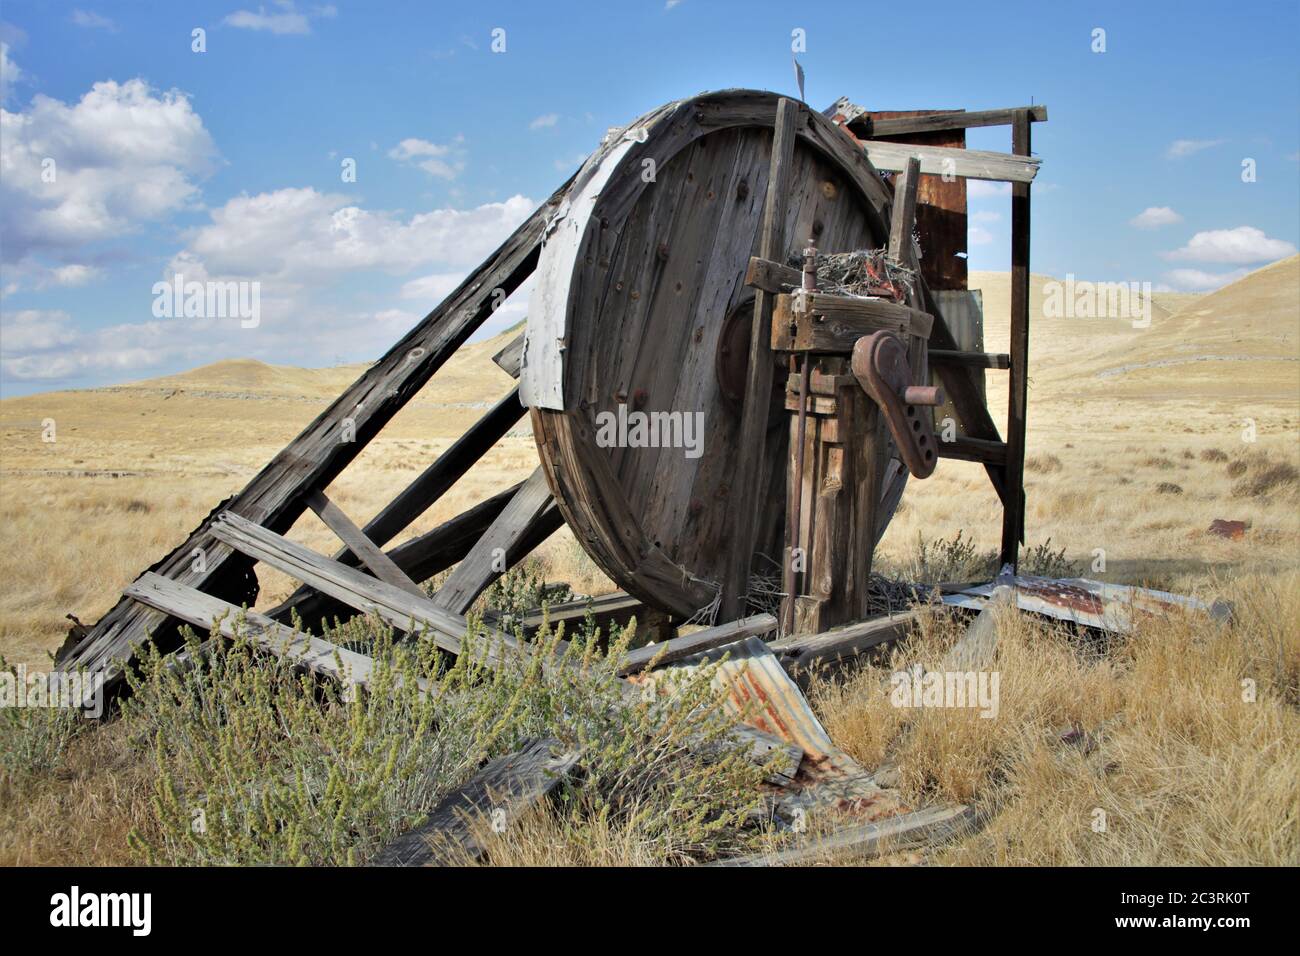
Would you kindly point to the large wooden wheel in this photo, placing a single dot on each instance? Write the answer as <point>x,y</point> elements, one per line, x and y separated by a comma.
<point>641,301</point>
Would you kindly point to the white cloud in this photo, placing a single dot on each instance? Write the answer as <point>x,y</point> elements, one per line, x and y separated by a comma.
<point>1195,280</point>
<point>74,274</point>
<point>446,161</point>
<point>9,72</point>
<point>289,21</point>
<point>123,155</point>
<point>544,121</point>
<point>33,330</point>
<point>432,288</point>
<point>1239,246</point>
<point>669,4</point>
<point>982,189</point>
<point>92,21</point>
<point>979,236</point>
<point>985,215</point>
<point>1181,148</point>
<point>1153,217</point>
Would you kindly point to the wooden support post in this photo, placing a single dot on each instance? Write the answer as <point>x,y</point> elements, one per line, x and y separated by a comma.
<point>903,218</point>
<point>1013,515</point>
<point>488,559</point>
<point>749,479</point>
<point>380,564</point>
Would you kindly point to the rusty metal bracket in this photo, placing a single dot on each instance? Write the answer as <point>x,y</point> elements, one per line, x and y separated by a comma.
<point>881,367</point>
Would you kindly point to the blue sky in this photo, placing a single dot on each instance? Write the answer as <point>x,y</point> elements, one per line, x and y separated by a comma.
<point>227,163</point>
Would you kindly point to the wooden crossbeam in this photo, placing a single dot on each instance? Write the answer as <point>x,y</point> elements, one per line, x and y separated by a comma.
<point>951,161</point>
<point>679,648</point>
<point>209,613</point>
<point>488,559</point>
<point>945,121</point>
<point>380,564</point>
<point>974,449</point>
<point>807,651</point>
<point>748,481</point>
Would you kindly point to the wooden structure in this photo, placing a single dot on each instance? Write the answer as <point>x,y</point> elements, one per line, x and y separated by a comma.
<point>665,286</point>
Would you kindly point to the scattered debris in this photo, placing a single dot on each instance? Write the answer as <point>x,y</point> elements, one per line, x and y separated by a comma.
<point>1224,528</point>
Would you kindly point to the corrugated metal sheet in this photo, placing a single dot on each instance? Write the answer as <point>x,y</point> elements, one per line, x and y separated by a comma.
<point>1111,607</point>
<point>758,690</point>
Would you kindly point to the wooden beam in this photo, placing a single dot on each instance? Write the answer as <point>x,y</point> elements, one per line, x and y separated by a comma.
<point>1013,514</point>
<point>380,564</point>
<point>903,832</point>
<point>748,484</point>
<point>501,792</point>
<point>903,214</point>
<point>488,559</point>
<point>511,358</point>
<point>949,161</point>
<point>679,648</point>
<point>970,359</point>
<point>276,497</point>
<point>807,651</point>
<point>772,276</point>
<point>209,613</point>
<point>974,449</point>
<point>420,559</point>
<point>615,608</point>
<point>958,120</point>
<point>826,322</point>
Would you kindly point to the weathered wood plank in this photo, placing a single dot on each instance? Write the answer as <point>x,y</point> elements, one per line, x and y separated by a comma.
<point>486,561</point>
<point>1013,514</point>
<point>511,358</point>
<point>204,611</point>
<point>974,449</point>
<point>825,322</point>
<point>420,559</point>
<point>380,564</point>
<point>955,120</point>
<point>903,832</point>
<point>748,477</point>
<point>903,215</point>
<point>616,608</point>
<point>772,276</point>
<point>276,497</point>
<point>679,648</point>
<point>502,791</point>
<point>947,160</point>
<point>807,651</point>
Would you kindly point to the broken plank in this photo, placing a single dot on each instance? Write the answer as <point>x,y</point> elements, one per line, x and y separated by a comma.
<point>679,648</point>
<point>772,276</point>
<point>806,651</point>
<point>950,161</point>
<point>511,358</point>
<point>486,561</point>
<point>380,564</point>
<point>203,610</point>
<point>970,359</point>
<point>902,220</point>
<point>502,791</point>
<point>906,831</point>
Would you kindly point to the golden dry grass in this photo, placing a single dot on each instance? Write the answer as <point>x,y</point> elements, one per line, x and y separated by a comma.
<point>1185,771</point>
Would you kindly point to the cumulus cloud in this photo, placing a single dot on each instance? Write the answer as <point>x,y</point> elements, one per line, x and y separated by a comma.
<point>288,21</point>
<point>9,72</point>
<point>544,121</point>
<point>983,189</point>
<point>1153,217</point>
<point>125,154</point>
<point>1196,280</point>
<point>1240,246</point>
<point>1181,148</point>
<point>444,160</point>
